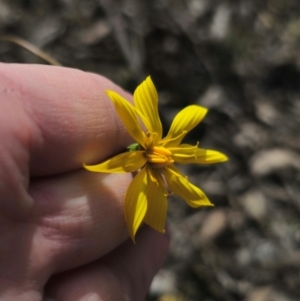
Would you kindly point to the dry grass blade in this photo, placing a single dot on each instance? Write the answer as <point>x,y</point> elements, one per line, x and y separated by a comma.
<point>31,48</point>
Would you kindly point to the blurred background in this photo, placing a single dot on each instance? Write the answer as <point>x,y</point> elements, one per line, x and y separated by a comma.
<point>239,58</point>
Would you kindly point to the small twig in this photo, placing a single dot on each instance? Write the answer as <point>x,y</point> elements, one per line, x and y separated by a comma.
<point>31,48</point>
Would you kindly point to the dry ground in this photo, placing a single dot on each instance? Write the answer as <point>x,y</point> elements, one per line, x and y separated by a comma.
<point>241,59</point>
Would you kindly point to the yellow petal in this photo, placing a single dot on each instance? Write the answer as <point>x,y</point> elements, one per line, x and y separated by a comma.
<point>183,151</point>
<point>152,176</point>
<point>128,114</point>
<point>125,162</point>
<point>173,142</point>
<point>180,185</point>
<point>135,205</point>
<point>187,154</point>
<point>157,206</point>
<point>184,121</point>
<point>146,101</point>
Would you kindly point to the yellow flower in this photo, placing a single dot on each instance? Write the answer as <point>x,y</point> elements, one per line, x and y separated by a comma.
<point>154,158</point>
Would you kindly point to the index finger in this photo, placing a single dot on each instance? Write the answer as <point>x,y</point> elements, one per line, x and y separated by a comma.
<point>63,116</point>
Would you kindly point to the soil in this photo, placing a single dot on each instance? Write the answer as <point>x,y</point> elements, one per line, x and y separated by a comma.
<point>240,59</point>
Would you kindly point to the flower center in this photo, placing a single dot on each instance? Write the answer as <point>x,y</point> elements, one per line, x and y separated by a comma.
<point>158,156</point>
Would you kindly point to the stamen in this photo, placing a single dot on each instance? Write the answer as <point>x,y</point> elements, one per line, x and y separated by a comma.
<point>148,143</point>
<point>158,157</point>
<point>161,150</point>
<point>153,158</point>
<point>163,182</point>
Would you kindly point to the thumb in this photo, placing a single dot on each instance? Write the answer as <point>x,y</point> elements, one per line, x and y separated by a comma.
<point>125,274</point>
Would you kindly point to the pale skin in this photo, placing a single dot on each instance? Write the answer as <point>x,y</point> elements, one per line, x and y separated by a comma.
<point>62,230</point>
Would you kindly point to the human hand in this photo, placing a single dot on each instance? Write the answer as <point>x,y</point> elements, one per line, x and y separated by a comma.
<point>62,229</point>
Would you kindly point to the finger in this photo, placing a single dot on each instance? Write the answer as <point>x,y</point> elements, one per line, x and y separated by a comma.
<point>51,121</point>
<point>63,116</point>
<point>123,275</point>
<point>79,217</point>
<point>76,218</point>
